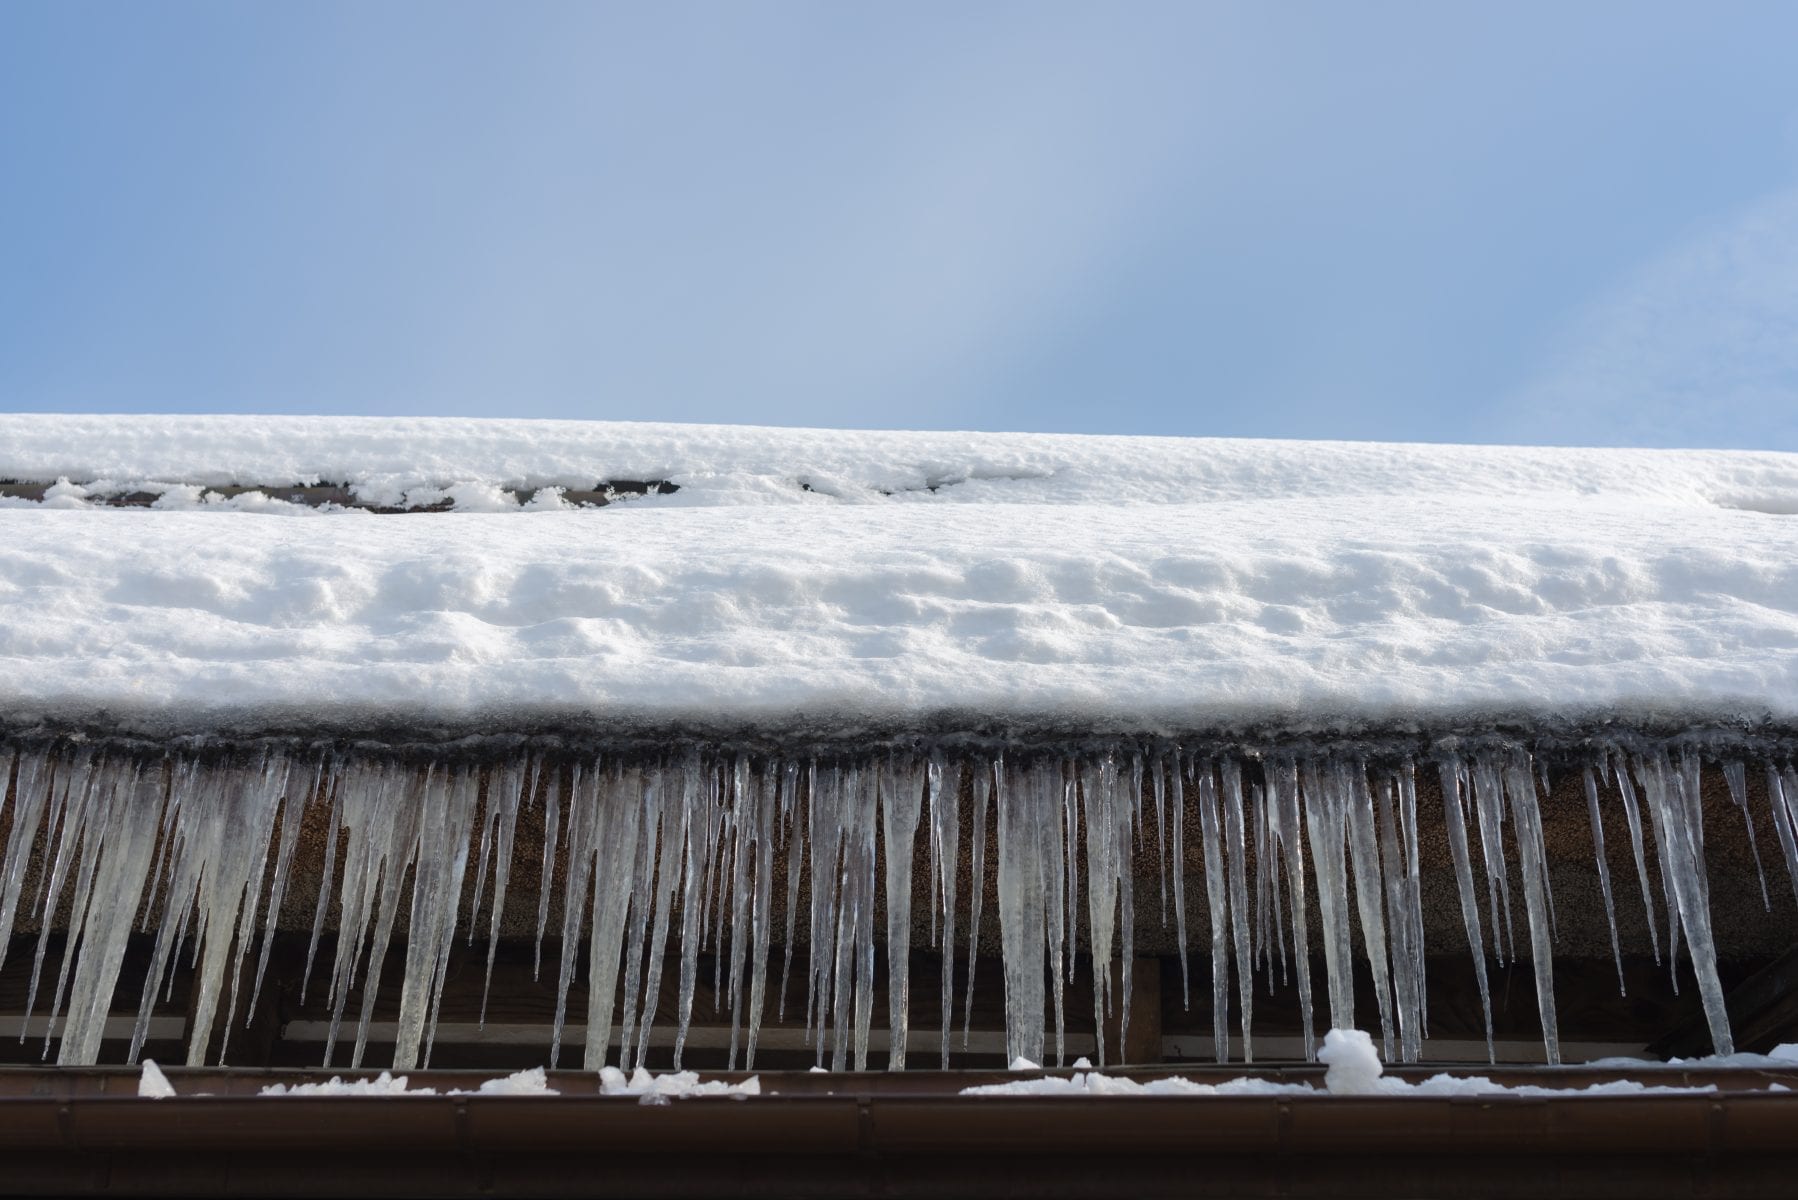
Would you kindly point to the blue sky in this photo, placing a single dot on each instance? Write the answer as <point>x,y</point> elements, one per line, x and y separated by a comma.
<point>1559,222</point>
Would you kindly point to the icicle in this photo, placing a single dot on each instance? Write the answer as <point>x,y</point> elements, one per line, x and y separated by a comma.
<point>333,827</point>
<point>111,780</point>
<point>1175,766</point>
<point>1604,873</point>
<point>1126,812</point>
<point>1326,829</point>
<point>77,782</point>
<point>552,800</point>
<point>436,892</point>
<point>795,847</point>
<point>642,905</point>
<point>293,808</point>
<point>945,840</point>
<point>1239,902</point>
<point>615,884</point>
<point>745,820</point>
<point>1364,853</point>
<point>1067,862</point>
<point>1097,798</point>
<point>901,801</point>
<point>1664,858</point>
<point>504,792</point>
<point>933,782</point>
<point>123,854</point>
<point>719,870</point>
<point>1407,812</point>
<point>1407,1000</point>
<point>843,965</point>
<point>982,786</point>
<point>1283,816</point>
<point>768,792</point>
<point>1633,816</point>
<point>579,848</point>
<point>825,797</point>
<point>1216,892</point>
<point>698,789</point>
<point>1783,824</point>
<point>676,795</point>
<point>1736,776</point>
<point>1520,788</point>
<point>1488,805</point>
<point>1057,808</point>
<point>392,823</point>
<point>859,874</point>
<point>1021,907</point>
<point>31,796</point>
<point>223,831</point>
<point>1454,782</point>
<point>266,807</point>
<point>489,818</point>
<point>1673,804</point>
<point>1261,838</point>
<point>1158,780</point>
<point>361,871</point>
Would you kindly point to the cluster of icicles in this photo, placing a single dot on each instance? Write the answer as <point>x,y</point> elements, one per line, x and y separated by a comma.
<point>693,847</point>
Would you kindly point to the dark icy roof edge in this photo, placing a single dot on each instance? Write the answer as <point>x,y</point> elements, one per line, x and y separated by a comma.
<point>1572,736</point>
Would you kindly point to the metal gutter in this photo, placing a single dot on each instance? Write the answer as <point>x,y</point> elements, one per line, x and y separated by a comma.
<point>864,1140</point>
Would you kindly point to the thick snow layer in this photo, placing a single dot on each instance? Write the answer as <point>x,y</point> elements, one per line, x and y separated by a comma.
<point>1098,582</point>
<point>1108,615</point>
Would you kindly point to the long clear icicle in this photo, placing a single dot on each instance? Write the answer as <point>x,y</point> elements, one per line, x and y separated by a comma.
<point>1364,853</point>
<point>1735,777</point>
<point>983,788</point>
<point>615,888</point>
<point>1021,908</point>
<point>945,841</point>
<point>1520,788</point>
<point>900,804</point>
<point>1673,803</point>
<point>1237,849</point>
<point>1633,817</point>
<point>1217,897</point>
<point>1596,819</point>
<point>1283,817</point>
<point>1454,786</point>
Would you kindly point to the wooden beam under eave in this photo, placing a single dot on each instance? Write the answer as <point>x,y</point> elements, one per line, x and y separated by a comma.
<point>1762,1009</point>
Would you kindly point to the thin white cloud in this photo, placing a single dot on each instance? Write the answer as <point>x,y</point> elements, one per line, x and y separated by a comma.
<point>1698,347</point>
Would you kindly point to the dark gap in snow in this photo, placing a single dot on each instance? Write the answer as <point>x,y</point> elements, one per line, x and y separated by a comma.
<point>147,494</point>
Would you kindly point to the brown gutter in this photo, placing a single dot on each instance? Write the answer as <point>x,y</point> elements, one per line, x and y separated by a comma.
<point>115,1081</point>
<point>867,1143</point>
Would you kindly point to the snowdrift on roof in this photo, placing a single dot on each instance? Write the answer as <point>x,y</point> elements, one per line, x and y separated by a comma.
<point>1091,583</point>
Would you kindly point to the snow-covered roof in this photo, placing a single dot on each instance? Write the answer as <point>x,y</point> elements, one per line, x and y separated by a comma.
<point>894,579</point>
